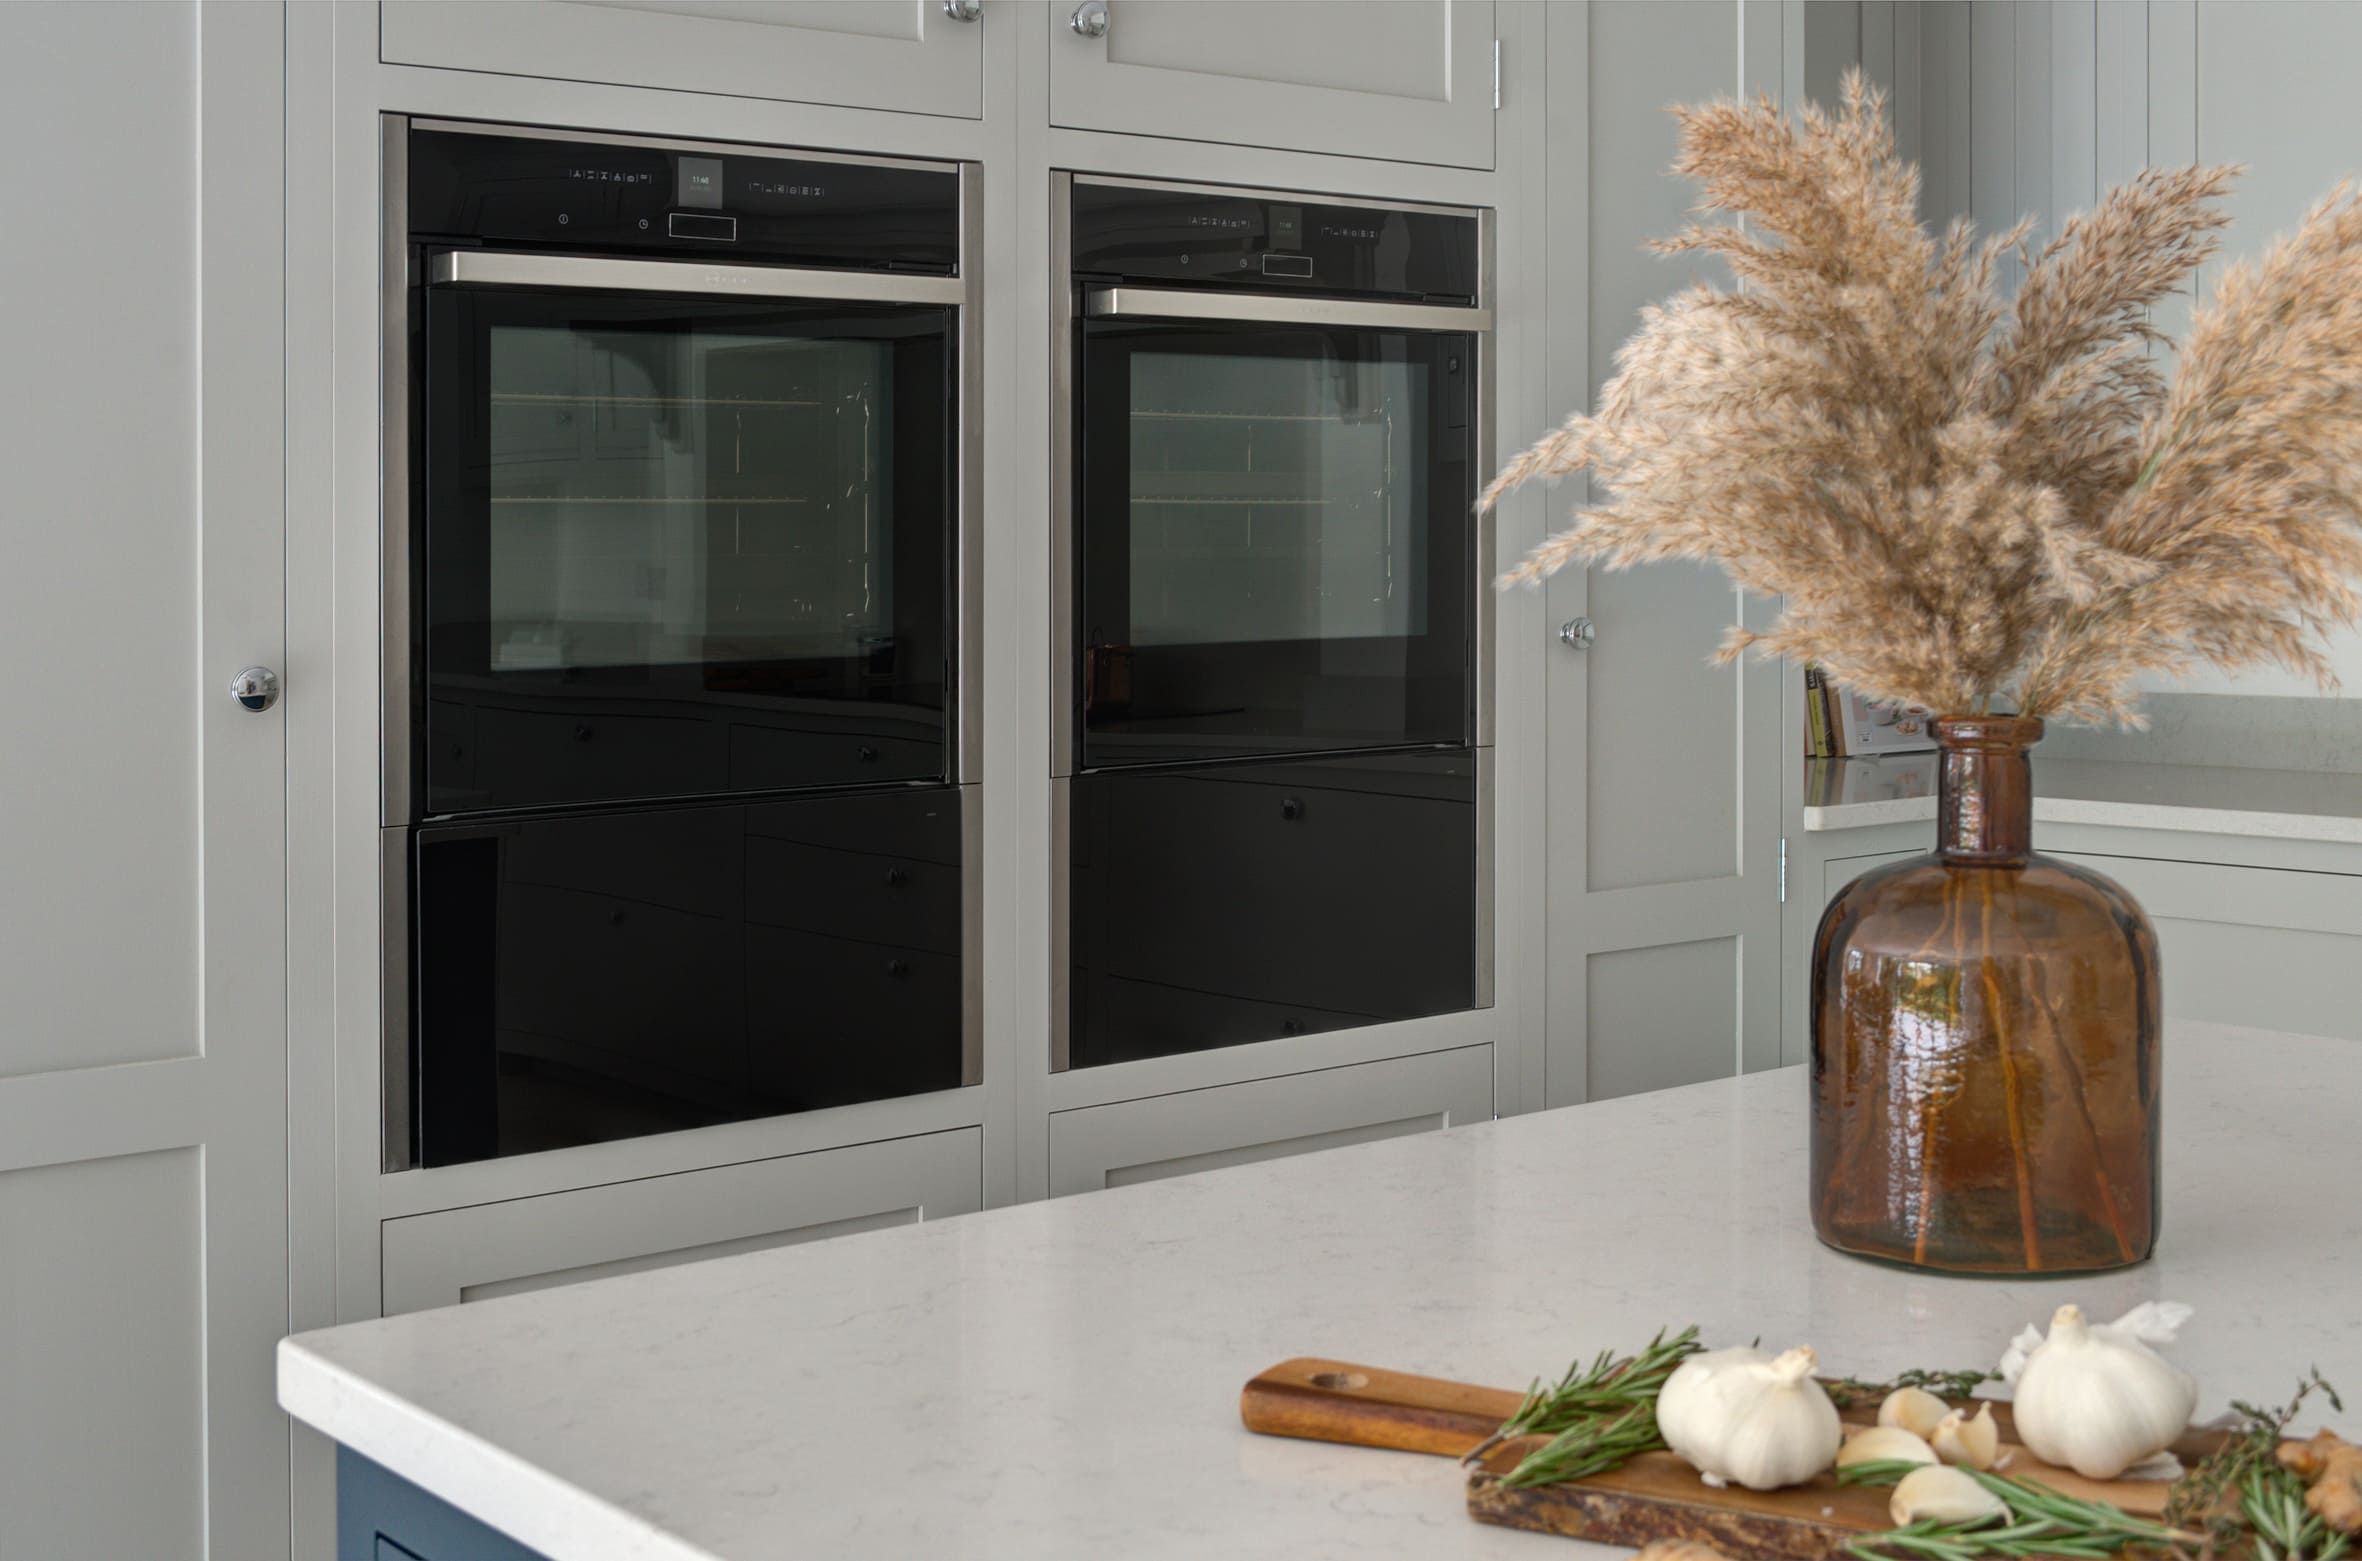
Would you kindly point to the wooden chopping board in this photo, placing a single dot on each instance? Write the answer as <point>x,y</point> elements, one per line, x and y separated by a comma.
<point>1654,1496</point>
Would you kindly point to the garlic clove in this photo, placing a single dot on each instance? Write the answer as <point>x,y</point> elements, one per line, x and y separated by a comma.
<point>1943,1495</point>
<point>1884,1444</point>
<point>1962,1440</point>
<point>1916,1410</point>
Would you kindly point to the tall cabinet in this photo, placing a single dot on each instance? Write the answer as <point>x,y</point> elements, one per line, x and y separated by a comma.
<point>143,1060</point>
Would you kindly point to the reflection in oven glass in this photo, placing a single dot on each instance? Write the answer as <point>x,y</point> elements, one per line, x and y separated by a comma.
<point>1276,499</point>
<point>667,498</point>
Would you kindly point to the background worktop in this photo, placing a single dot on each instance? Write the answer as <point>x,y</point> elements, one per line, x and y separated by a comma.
<point>2207,798</point>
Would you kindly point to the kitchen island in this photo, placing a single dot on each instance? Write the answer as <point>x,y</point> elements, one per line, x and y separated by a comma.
<point>1060,1379</point>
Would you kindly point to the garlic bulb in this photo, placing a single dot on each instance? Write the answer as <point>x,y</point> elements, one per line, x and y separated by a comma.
<point>2096,1399</point>
<point>1943,1495</point>
<point>1916,1410</point>
<point>1742,1415</point>
<point>1884,1444</point>
<point>1960,1440</point>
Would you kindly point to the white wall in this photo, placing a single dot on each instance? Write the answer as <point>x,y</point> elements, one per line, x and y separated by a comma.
<point>2038,105</point>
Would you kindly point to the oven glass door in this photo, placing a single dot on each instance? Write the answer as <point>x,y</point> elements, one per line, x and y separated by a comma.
<point>1276,551</point>
<point>679,547</point>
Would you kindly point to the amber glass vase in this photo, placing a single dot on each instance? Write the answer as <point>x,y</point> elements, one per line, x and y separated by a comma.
<point>1984,1064</point>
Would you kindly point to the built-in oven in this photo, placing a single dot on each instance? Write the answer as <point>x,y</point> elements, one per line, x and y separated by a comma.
<point>1272,711</point>
<point>680,608</point>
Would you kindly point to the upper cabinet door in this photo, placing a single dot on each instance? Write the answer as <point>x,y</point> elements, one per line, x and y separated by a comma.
<point>1410,81</point>
<point>914,56</point>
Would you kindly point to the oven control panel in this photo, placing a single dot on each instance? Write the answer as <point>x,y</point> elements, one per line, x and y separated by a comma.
<point>514,191</point>
<point>1216,238</point>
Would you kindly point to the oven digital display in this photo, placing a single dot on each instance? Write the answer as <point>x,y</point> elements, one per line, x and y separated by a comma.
<point>700,183</point>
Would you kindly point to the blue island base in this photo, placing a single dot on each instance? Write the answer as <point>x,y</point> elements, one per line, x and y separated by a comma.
<point>382,1517</point>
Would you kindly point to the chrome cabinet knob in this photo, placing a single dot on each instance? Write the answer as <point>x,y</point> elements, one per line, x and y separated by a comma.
<point>257,688</point>
<point>1577,634</point>
<point>963,10</point>
<point>1090,19</point>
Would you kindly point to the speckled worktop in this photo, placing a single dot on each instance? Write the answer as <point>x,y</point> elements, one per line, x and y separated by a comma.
<point>2213,799</point>
<point>1060,1380</point>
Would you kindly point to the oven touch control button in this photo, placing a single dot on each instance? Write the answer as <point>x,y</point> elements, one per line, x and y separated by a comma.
<point>686,224</point>
<point>1287,265</point>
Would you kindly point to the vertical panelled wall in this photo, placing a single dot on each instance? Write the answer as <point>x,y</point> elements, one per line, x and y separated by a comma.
<point>1663,769</point>
<point>2034,107</point>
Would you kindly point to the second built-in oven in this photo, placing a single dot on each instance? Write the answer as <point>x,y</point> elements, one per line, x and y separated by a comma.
<point>1273,718</point>
<point>679,614</point>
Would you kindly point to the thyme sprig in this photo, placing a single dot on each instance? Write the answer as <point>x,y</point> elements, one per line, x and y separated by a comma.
<point>1597,1416</point>
<point>1850,1392</point>
<point>2040,1522</point>
<point>2201,1499</point>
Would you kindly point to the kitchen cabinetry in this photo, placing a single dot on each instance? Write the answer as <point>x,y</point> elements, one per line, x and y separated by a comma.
<point>1235,1124</point>
<point>145,846</point>
<point>1664,771</point>
<point>1410,81</point>
<point>908,55</point>
<point>491,1249</point>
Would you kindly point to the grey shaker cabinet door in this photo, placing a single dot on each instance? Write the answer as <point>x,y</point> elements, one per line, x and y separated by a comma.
<point>494,1249</point>
<point>1409,81</point>
<point>1094,1147</point>
<point>905,55</point>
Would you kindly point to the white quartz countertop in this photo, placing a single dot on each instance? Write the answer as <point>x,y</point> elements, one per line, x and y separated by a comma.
<point>2214,799</point>
<point>1060,1379</point>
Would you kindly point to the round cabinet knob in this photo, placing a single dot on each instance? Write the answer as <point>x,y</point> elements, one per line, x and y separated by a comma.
<point>1089,19</point>
<point>963,10</point>
<point>1290,809</point>
<point>1577,633</point>
<point>257,688</point>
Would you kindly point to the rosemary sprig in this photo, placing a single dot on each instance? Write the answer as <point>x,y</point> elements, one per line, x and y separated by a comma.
<point>2272,1500</point>
<point>2041,1522</point>
<point>1588,1447</point>
<point>1591,1398</point>
<point>1850,1392</point>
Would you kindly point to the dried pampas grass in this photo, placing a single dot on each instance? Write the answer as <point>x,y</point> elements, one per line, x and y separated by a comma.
<point>1964,504</point>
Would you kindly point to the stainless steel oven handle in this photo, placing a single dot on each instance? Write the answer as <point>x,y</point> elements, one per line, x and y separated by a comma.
<point>1155,303</point>
<point>500,268</point>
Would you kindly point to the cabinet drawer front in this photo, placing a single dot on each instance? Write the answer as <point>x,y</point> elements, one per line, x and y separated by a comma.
<point>494,1249</point>
<point>905,55</point>
<point>1410,81</point>
<point>1266,1119</point>
<point>2257,946</point>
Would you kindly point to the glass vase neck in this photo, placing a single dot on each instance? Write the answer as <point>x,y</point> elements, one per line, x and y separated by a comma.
<point>1985,789</point>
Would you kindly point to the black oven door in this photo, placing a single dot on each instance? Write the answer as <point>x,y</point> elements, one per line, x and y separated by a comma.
<point>1274,541</point>
<point>680,546</point>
